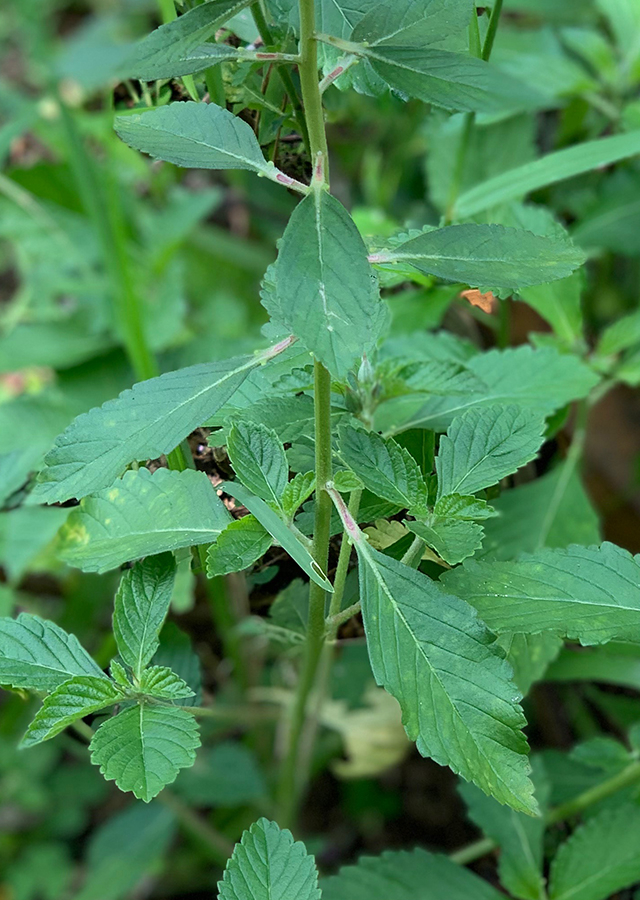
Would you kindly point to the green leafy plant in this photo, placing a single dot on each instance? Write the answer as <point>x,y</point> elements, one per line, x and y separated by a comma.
<point>340,435</point>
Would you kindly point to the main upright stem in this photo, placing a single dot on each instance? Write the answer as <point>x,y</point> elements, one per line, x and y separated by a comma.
<point>291,785</point>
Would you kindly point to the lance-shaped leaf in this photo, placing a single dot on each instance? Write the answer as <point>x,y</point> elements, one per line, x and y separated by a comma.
<point>405,23</point>
<point>142,423</point>
<point>141,515</point>
<point>586,594</point>
<point>258,458</point>
<point>439,661</point>
<point>384,467</point>
<point>76,698</point>
<point>160,681</point>
<point>482,446</point>
<point>140,608</point>
<point>488,256</point>
<point>243,542</point>
<point>268,864</point>
<point>567,163</point>
<point>407,875</point>
<point>195,136</point>
<point>326,292</point>
<point>169,50</point>
<point>144,747</point>
<point>450,80</point>
<point>37,654</point>
<point>600,858</point>
<point>280,531</point>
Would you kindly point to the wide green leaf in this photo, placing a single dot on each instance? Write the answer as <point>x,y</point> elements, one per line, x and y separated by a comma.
<point>529,655</point>
<point>450,80</point>
<point>439,661</point>
<point>195,136</point>
<point>519,838</point>
<point>482,446</point>
<point>560,304</point>
<point>37,654</point>
<point>168,51</point>
<point>142,423</point>
<point>259,461</point>
<point>542,380</point>
<point>268,864</point>
<point>600,858</point>
<point>385,468</point>
<point>567,163</point>
<point>144,747</point>
<point>243,542</point>
<point>407,875</point>
<point>487,256</point>
<point>326,293</point>
<point>142,514</point>
<point>280,531</point>
<point>141,604</point>
<point>405,23</point>
<point>586,594</point>
<point>226,775</point>
<point>78,697</point>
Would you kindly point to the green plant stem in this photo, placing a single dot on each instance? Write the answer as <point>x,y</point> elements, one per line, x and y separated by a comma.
<point>244,715</point>
<point>469,119</point>
<point>342,568</point>
<point>311,95</point>
<point>414,554</point>
<point>285,76</point>
<point>225,621</point>
<point>628,776</point>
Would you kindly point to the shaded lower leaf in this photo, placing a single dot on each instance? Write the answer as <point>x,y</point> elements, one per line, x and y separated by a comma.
<point>144,747</point>
<point>268,865</point>
<point>407,875</point>
<point>452,539</point>
<point>243,542</point>
<point>76,698</point>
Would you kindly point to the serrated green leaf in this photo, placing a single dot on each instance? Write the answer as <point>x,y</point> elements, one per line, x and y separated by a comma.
<point>405,23</point>
<point>424,644</point>
<point>268,864</point>
<point>346,481</point>
<point>37,654</point>
<point>385,468</point>
<point>168,51</point>
<point>559,304</point>
<point>459,506</point>
<point>488,256</point>
<point>142,423</point>
<point>450,80</point>
<point>297,491</point>
<point>140,515</point>
<point>452,539</point>
<point>119,673</point>
<point>542,380</point>
<point>586,594</point>
<point>195,136</point>
<point>519,838</point>
<point>552,511</point>
<point>141,604</point>
<point>600,858</point>
<point>243,542</point>
<point>280,531</point>
<point>160,681</point>
<point>326,292</point>
<point>74,699</point>
<point>258,459</point>
<point>407,875</point>
<point>144,747</point>
<point>567,163</point>
<point>482,446</point>
<point>177,653</point>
